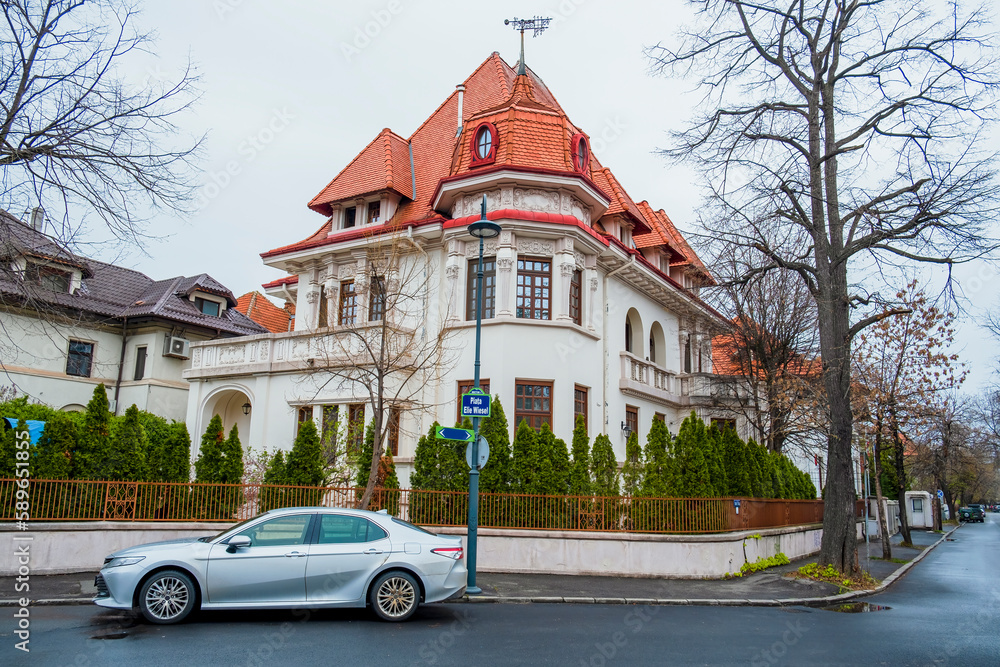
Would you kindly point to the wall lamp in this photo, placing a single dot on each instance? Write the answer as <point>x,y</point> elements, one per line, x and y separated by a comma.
<point>626,429</point>
<point>246,408</point>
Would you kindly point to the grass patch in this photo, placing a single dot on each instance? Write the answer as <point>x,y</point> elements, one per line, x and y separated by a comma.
<point>829,574</point>
<point>892,560</point>
<point>760,564</point>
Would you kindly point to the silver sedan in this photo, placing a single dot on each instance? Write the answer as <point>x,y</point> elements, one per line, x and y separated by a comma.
<point>313,557</point>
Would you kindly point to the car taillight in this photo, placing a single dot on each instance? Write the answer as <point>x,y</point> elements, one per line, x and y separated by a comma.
<point>455,553</point>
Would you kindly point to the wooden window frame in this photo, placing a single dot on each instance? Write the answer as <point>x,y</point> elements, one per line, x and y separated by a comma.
<point>489,288</point>
<point>535,418</point>
<point>200,304</point>
<point>355,427</point>
<point>526,287</point>
<point>350,217</point>
<point>576,297</point>
<point>304,414</point>
<point>581,397</point>
<point>394,416</point>
<point>376,207</point>
<point>632,418</point>
<point>347,310</point>
<point>376,299</point>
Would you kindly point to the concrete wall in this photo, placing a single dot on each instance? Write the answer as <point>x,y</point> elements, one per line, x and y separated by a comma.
<point>82,546</point>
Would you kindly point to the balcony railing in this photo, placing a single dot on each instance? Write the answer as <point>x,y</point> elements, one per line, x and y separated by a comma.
<point>645,377</point>
<point>267,353</point>
<point>64,500</point>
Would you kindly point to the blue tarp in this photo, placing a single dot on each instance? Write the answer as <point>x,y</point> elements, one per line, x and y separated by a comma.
<point>35,428</point>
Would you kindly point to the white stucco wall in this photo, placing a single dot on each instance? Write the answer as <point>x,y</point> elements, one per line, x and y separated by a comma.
<point>82,546</point>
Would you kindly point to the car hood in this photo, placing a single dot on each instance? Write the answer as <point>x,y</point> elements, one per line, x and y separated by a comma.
<point>153,547</point>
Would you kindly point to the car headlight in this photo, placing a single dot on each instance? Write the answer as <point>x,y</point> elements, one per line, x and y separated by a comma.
<point>128,560</point>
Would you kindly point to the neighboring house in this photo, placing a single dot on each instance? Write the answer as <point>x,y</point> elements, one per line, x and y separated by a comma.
<point>69,322</point>
<point>591,299</point>
<point>259,308</point>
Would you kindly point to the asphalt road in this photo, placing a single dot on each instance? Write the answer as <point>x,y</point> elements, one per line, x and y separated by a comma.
<point>946,611</point>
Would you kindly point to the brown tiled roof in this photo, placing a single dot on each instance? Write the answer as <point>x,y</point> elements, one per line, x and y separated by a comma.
<point>112,292</point>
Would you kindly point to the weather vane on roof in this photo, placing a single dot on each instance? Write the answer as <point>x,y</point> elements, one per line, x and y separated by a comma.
<point>537,24</point>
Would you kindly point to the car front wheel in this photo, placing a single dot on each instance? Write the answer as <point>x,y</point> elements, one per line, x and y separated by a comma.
<point>167,597</point>
<point>395,596</point>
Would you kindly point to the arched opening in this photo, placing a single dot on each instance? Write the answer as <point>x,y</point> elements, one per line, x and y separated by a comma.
<point>633,333</point>
<point>657,345</point>
<point>229,404</point>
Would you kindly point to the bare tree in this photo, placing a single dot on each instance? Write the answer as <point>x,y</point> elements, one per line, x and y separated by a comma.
<point>901,362</point>
<point>771,351</point>
<point>383,342</point>
<point>840,137</point>
<point>74,135</point>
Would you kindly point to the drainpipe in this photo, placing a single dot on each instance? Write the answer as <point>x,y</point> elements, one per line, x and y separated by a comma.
<point>121,362</point>
<point>604,333</point>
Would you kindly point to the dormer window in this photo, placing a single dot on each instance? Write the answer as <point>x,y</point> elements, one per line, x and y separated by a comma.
<point>580,150</point>
<point>48,277</point>
<point>484,145</point>
<point>374,212</point>
<point>206,306</point>
<point>350,215</point>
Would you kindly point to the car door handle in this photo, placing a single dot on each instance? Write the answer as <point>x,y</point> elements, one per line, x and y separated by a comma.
<point>294,554</point>
<point>372,551</point>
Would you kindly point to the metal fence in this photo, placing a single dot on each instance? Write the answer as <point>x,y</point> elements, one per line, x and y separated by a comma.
<point>62,500</point>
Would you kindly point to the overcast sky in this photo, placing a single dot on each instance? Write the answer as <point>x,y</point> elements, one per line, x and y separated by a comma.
<point>292,91</point>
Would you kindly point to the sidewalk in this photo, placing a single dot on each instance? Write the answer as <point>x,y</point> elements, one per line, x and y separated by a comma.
<point>767,588</point>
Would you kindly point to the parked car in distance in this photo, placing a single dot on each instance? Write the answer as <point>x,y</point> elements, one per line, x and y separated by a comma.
<point>316,557</point>
<point>972,513</point>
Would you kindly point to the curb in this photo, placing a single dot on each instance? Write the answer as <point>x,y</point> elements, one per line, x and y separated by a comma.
<point>764,602</point>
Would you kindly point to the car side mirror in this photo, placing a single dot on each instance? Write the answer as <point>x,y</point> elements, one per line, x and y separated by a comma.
<point>237,542</point>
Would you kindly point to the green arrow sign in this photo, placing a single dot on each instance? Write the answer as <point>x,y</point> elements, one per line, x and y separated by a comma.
<point>460,434</point>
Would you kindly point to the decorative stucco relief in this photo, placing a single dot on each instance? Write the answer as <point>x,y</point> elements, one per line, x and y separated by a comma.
<point>536,247</point>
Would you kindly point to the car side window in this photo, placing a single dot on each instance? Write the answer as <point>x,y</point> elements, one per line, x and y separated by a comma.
<point>343,529</point>
<point>280,531</point>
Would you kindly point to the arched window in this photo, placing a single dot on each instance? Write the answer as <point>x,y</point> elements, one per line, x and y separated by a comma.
<point>484,145</point>
<point>628,336</point>
<point>652,348</point>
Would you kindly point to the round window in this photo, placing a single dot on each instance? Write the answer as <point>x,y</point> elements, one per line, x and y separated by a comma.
<point>484,143</point>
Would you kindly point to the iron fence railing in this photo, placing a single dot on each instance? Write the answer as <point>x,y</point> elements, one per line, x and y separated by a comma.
<point>71,500</point>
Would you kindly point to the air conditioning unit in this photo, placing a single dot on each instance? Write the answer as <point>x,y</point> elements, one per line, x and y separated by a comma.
<point>177,347</point>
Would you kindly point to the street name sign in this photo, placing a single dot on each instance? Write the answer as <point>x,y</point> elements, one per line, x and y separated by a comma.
<point>476,403</point>
<point>460,434</point>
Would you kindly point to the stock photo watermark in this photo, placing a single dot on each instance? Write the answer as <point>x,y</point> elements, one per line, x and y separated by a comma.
<point>248,150</point>
<point>605,652</point>
<point>22,542</point>
<point>365,34</point>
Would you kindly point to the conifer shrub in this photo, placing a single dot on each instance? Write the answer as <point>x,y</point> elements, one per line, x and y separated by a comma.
<point>304,466</point>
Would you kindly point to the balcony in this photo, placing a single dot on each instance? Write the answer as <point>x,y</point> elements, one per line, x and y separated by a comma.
<point>291,351</point>
<point>646,379</point>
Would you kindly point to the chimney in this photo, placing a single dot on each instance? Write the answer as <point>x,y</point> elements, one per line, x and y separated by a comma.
<point>37,218</point>
<point>461,98</point>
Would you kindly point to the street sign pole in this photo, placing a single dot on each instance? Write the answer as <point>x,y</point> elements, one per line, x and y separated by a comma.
<point>481,228</point>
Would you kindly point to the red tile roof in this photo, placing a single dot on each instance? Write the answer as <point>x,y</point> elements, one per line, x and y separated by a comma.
<point>534,132</point>
<point>259,308</point>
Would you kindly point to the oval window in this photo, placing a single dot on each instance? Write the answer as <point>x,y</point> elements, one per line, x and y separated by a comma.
<point>580,152</point>
<point>484,143</point>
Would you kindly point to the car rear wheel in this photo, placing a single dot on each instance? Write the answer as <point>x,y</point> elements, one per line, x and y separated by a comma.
<point>395,596</point>
<point>167,597</point>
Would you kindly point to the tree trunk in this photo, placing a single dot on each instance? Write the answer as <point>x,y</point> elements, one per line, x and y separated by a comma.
<point>898,462</point>
<point>883,524</point>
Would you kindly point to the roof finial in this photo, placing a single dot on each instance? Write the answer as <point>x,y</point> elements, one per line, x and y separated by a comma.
<point>537,24</point>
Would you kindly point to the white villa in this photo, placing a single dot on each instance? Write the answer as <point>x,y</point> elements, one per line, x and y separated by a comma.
<point>591,299</point>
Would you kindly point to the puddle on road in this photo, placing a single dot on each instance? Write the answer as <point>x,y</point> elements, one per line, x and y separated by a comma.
<point>856,607</point>
<point>111,635</point>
